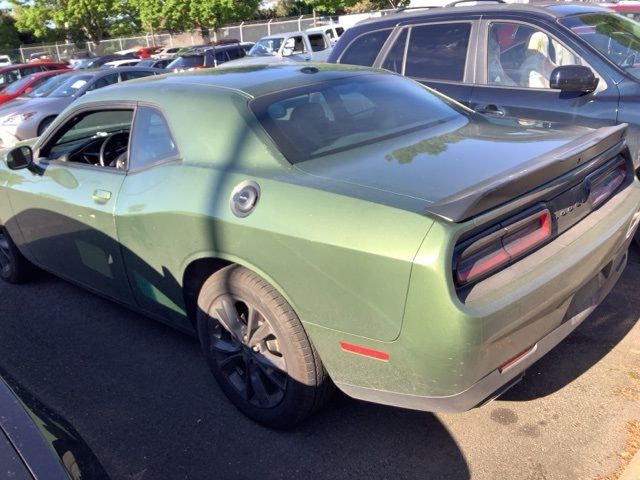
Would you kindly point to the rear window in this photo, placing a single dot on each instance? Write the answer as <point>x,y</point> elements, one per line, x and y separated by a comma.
<point>343,114</point>
<point>365,48</point>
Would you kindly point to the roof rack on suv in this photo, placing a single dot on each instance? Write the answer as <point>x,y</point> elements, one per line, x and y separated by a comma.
<point>452,4</point>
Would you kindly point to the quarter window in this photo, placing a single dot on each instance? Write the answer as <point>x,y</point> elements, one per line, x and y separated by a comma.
<point>317,42</point>
<point>364,49</point>
<point>152,141</point>
<point>438,51</point>
<point>133,75</point>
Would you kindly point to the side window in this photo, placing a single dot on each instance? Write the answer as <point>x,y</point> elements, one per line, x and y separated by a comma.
<point>221,56</point>
<point>329,33</point>
<point>133,75</point>
<point>438,51</point>
<point>395,57</point>
<point>28,71</point>
<point>152,141</point>
<point>520,55</point>
<point>317,42</point>
<point>98,138</point>
<point>365,48</point>
<point>104,81</point>
<point>235,53</point>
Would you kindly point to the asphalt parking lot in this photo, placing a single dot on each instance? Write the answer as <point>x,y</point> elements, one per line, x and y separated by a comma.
<point>141,396</point>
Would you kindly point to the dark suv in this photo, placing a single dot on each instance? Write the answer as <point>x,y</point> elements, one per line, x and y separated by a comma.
<point>573,63</point>
<point>207,57</point>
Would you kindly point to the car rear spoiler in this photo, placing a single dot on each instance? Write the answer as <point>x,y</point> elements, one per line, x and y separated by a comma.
<point>529,176</point>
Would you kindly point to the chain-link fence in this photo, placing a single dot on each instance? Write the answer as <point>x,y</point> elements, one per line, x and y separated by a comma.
<point>65,51</point>
<point>244,32</point>
<point>251,32</point>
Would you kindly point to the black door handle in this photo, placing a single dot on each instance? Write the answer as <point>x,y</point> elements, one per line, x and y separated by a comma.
<point>490,109</point>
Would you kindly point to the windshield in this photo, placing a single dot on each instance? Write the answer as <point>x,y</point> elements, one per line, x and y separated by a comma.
<point>615,36</point>
<point>342,114</point>
<point>47,87</point>
<point>183,63</point>
<point>266,47</point>
<point>70,85</point>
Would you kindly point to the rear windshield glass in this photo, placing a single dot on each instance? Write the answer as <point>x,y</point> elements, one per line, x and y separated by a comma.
<point>615,36</point>
<point>192,61</point>
<point>343,114</point>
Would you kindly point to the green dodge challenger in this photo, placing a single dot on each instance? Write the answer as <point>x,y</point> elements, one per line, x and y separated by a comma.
<point>326,225</point>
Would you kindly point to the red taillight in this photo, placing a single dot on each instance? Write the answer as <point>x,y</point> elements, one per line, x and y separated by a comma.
<point>603,186</point>
<point>501,247</point>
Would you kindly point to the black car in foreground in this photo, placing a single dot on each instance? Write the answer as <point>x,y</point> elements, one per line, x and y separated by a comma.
<point>36,443</point>
<point>573,63</point>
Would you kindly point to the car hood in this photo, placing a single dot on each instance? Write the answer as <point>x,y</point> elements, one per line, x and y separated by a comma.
<point>460,159</point>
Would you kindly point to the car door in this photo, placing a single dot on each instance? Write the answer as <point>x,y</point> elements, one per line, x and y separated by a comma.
<point>515,61</point>
<point>64,206</point>
<point>143,217</point>
<point>439,54</point>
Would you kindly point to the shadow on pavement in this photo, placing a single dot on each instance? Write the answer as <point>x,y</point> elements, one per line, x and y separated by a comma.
<point>142,397</point>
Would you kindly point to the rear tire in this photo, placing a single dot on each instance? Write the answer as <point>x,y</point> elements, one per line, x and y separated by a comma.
<point>14,267</point>
<point>258,350</point>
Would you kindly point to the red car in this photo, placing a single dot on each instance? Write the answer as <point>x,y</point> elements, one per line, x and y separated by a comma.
<point>26,85</point>
<point>13,73</point>
<point>628,9</point>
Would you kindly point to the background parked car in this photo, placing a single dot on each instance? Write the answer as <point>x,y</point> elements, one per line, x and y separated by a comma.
<point>12,73</point>
<point>154,62</point>
<point>207,57</point>
<point>551,61</point>
<point>5,60</point>
<point>26,84</point>
<point>166,52</point>
<point>630,9</point>
<point>128,62</point>
<point>100,61</point>
<point>291,46</point>
<point>333,31</point>
<point>33,116</point>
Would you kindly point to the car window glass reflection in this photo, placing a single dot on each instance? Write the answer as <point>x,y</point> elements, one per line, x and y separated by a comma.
<point>519,55</point>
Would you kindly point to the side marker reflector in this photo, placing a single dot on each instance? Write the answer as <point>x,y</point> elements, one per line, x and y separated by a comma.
<point>364,351</point>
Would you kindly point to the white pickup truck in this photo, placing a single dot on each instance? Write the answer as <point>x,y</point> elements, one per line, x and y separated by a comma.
<point>286,47</point>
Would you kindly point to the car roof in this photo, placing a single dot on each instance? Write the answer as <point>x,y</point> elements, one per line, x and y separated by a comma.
<point>553,10</point>
<point>248,81</point>
<point>16,66</point>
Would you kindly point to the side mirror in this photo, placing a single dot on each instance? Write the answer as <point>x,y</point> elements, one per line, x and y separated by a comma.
<point>573,78</point>
<point>18,158</point>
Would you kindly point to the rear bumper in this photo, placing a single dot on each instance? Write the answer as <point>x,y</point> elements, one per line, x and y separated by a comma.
<point>497,382</point>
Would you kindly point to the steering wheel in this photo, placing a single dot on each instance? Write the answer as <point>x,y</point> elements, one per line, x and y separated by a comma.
<point>103,149</point>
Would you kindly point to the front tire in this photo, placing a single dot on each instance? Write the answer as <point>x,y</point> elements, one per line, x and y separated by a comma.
<point>14,267</point>
<point>258,350</point>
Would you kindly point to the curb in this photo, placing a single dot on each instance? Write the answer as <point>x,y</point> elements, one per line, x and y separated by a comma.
<point>632,472</point>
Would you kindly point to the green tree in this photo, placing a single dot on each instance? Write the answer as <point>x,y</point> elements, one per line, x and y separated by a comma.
<point>93,19</point>
<point>180,15</point>
<point>9,37</point>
